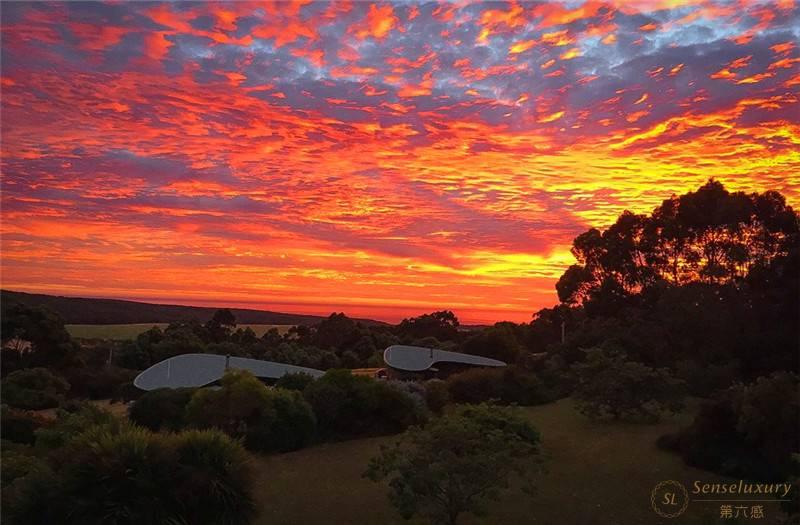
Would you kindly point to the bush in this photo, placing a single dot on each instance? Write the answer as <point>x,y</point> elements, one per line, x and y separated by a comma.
<point>297,381</point>
<point>436,395</point>
<point>287,424</point>
<point>413,389</point>
<point>135,476</point>
<point>504,385</point>
<point>97,383</point>
<point>746,431</point>
<point>267,419</point>
<point>161,408</point>
<point>19,426</point>
<point>703,380</point>
<point>34,389</point>
<point>458,462</point>
<point>216,480</point>
<point>348,405</point>
<point>73,423</point>
<point>126,392</point>
<point>610,386</point>
<point>17,465</point>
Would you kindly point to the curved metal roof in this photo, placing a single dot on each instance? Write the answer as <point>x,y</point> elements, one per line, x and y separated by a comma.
<point>196,370</point>
<point>417,358</point>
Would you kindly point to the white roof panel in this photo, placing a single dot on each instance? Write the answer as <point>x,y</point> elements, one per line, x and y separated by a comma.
<point>196,370</point>
<point>417,358</point>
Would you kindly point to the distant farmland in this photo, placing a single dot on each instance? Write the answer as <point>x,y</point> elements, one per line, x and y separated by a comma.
<point>123,332</point>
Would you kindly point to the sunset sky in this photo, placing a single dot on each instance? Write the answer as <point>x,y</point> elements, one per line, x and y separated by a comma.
<point>381,159</point>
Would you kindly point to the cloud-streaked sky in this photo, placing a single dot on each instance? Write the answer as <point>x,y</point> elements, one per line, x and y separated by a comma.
<point>384,159</point>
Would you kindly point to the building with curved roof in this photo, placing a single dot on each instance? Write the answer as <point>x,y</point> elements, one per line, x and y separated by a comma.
<point>196,370</point>
<point>416,359</point>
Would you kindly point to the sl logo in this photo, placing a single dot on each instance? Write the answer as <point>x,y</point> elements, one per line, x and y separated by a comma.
<point>669,499</point>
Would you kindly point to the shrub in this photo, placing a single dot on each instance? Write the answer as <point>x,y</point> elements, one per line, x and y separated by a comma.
<point>34,497</point>
<point>135,476</point>
<point>268,419</point>
<point>413,389</point>
<point>18,465</point>
<point>288,424</point>
<point>241,399</point>
<point>71,424</point>
<point>34,389</point>
<point>215,479</point>
<point>348,405</point>
<point>610,386</point>
<point>704,379</point>
<point>746,431</point>
<point>436,395</point>
<point>161,408</point>
<point>458,462</point>
<point>297,381</point>
<point>504,385</point>
<point>19,426</point>
<point>96,383</point>
<point>126,392</point>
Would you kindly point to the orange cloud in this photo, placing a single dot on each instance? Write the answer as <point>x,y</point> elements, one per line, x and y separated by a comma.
<point>266,155</point>
<point>378,22</point>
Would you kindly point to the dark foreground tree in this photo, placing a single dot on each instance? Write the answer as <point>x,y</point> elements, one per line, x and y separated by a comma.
<point>457,463</point>
<point>709,235</point>
<point>611,386</point>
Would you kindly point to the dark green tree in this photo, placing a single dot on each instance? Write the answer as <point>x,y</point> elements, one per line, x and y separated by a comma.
<point>163,408</point>
<point>34,389</point>
<point>220,326</point>
<point>38,337</point>
<point>267,419</point>
<point>458,463</point>
<point>611,386</point>
<point>441,325</point>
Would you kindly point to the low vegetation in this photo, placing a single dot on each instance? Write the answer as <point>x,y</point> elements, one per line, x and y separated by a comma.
<point>267,420</point>
<point>349,406</point>
<point>131,475</point>
<point>611,386</point>
<point>162,409</point>
<point>503,385</point>
<point>745,431</point>
<point>457,463</point>
<point>34,389</point>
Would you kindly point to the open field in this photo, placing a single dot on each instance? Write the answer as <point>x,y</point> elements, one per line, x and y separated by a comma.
<point>598,473</point>
<point>130,331</point>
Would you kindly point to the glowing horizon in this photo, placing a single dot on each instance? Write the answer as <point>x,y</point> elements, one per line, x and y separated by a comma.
<point>382,159</point>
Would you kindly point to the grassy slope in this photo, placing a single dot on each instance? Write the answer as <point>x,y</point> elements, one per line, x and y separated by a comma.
<point>130,331</point>
<point>598,473</point>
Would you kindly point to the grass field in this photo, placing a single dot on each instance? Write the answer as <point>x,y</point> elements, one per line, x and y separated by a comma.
<point>598,473</point>
<point>130,331</point>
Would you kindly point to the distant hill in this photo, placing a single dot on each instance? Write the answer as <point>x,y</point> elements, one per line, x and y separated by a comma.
<point>80,310</point>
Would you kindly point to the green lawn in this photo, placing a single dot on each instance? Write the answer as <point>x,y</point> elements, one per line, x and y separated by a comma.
<point>130,331</point>
<point>598,473</point>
